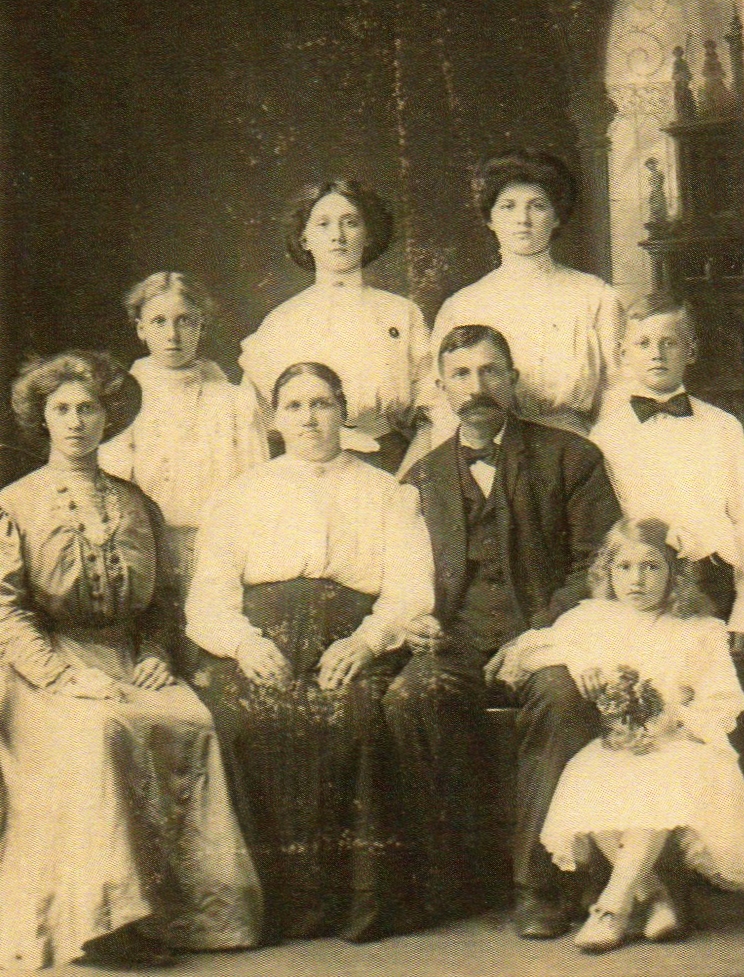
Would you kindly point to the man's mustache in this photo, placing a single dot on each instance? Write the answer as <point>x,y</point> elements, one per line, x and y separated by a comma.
<point>480,401</point>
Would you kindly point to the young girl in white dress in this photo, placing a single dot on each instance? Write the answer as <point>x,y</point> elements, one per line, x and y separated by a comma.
<point>670,777</point>
<point>196,431</point>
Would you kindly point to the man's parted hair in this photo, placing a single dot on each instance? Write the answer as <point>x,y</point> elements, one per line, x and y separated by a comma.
<point>464,337</point>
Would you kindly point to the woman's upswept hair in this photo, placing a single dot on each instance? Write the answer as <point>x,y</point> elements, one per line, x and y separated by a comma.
<point>684,597</point>
<point>377,217</point>
<point>101,375</point>
<point>168,281</point>
<point>319,370</point>
<point>525,166</point>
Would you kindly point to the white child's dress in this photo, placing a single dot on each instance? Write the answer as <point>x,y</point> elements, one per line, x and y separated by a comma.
<point>196,431</point>
<point>693,788</point>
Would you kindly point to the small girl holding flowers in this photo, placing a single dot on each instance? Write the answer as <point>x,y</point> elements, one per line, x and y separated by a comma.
<point>658,668</point>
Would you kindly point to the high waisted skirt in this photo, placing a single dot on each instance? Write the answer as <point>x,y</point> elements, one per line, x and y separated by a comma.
<point>312,772</point>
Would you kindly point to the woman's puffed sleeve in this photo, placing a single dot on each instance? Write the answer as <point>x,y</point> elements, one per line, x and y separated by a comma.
<point>255,359</point>
<point>116,457</point>
<point>214,607</point>
<point>419,352</point>
<point>610,324</point>
<point>408,573</point>
<point>718,699</point>
<point>24,642</point>
<point>158,624</point>
<point>250,429</point>
<point>428,394</point>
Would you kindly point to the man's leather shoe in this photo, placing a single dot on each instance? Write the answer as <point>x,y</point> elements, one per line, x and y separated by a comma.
<point>538,918</point>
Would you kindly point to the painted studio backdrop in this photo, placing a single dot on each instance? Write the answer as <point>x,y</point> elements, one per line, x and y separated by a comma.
<point>161,135</point>
<point>141,136</point>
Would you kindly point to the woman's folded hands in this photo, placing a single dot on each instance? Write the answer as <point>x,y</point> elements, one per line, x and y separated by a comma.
<point>261,662</point>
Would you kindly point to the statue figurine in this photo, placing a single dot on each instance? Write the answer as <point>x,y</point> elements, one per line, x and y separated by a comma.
<point>657,202</point>
<point>714,98</point>
<point>736,50</point>
<point>684,101</point>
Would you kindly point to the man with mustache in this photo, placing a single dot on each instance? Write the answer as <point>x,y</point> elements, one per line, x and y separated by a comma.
<point>515,511</point>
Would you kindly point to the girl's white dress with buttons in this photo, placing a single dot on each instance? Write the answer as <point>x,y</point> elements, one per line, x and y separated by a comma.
<point>196,431</point>
<point>693,787</point>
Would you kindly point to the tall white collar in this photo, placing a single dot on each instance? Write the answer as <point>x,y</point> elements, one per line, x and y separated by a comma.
<point>314,469</point>
<point>349,280</point>
<point>527,266</point>
<point>638,390</point>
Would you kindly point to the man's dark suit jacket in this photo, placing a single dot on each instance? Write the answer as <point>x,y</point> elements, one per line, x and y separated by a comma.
<point>561,505</point>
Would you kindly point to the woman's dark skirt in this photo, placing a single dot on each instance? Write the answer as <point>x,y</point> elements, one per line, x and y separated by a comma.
<point>312,773</point>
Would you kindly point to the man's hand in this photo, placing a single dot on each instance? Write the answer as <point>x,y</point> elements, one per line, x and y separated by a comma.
<point>262,663</point>
<point>152,673</point>
<point>341,661</point>
<point>424,635</point>
<point>493,667</point>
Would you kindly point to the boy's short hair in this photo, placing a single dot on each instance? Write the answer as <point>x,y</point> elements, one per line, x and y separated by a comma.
<point>663,303</point>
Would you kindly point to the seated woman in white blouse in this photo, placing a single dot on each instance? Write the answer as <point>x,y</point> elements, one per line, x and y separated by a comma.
<point>308,569</point>
<point>375,341</point>
<point>562,325</point>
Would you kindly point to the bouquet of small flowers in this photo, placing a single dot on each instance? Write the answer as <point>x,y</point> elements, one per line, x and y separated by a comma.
<point>628,706</point>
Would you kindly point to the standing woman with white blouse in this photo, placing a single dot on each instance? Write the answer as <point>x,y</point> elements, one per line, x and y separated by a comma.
<point>375,341</point>
<point>561,325</point>
<point>309,568</point>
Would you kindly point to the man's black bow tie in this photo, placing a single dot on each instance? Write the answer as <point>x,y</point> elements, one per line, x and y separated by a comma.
<point>646,407</point>
<point>489,454</point>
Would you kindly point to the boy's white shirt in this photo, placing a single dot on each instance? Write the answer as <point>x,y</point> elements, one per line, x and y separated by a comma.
<point>688,471</point>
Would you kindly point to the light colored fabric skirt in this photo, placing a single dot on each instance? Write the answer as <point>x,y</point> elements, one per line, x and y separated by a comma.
<point>117,812</point>
<point>692,789</point>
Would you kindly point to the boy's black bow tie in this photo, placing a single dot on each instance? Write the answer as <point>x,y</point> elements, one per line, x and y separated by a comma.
<point>489,454</point>
<point>646,407</point>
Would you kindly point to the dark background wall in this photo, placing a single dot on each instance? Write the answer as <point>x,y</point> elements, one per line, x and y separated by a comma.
<point>142,137</point>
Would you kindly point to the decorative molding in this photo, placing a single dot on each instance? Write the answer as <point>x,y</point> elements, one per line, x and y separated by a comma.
<point>654,99</point>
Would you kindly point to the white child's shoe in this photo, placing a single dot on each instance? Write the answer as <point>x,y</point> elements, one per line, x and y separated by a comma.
<point>662,921</point>
<point>604,930</point>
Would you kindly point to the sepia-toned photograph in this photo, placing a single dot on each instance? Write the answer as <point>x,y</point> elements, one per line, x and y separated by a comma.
<point>372,488</point>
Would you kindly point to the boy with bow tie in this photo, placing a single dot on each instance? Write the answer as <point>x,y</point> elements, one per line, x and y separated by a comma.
<point>675,457</point>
